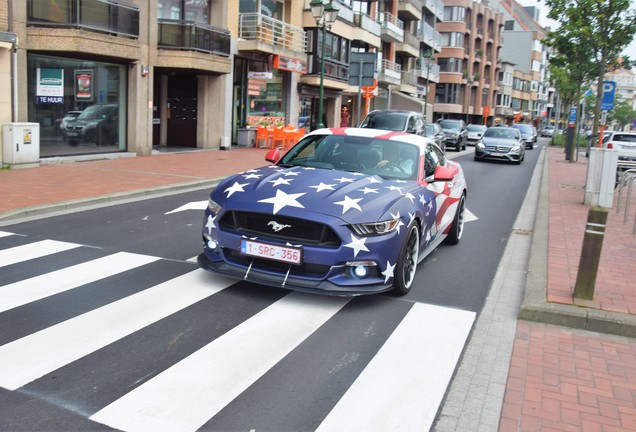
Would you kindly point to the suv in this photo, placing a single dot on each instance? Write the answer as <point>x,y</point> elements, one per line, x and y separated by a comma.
<point>528,133</point>
<point>455,131</point>
<point>475,131</point>
<point>97,124</point>
<point>624,142</point>
<point>395,120</point>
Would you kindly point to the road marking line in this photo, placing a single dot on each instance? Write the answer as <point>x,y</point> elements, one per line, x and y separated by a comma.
<point>403,385</point>
<point>33,250</point>
<point>38,287</point>
<point>192,391</point>
<point>33,356</point>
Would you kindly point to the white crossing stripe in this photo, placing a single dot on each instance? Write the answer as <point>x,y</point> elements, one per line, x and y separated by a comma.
<point>5,234</point>
<point>39,287</point>
<point>403,385</point>
<point>188,394</point>
<point>33,250</point>
<point>29,358</point>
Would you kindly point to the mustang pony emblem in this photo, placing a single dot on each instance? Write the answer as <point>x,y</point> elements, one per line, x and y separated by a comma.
<point>277,226</point>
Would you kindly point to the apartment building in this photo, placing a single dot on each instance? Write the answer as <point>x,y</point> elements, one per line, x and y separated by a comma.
<point>128,75</point>
<point>469,61</point>
<point>522,47</point>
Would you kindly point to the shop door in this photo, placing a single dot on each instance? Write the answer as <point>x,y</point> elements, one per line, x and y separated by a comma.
<point>182,106</point>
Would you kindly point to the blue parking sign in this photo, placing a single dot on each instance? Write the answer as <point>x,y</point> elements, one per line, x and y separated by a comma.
<point>609,90</point>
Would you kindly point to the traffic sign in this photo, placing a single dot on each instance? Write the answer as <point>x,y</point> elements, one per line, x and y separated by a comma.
<point>609,90</point>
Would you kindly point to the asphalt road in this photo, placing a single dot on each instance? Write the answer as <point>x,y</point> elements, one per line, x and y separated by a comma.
<point>116,320</point>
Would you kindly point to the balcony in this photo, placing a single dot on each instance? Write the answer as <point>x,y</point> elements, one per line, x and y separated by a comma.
<point>410,10</point>
<point>409,83</point>
<point>366,29</point>
<point>433,73</point>
<point>258,32</point>
<point>410,47</point>
<point>389,72</point>
<point>105,16</point>
<point>392,28</point>
<point>187,35</point>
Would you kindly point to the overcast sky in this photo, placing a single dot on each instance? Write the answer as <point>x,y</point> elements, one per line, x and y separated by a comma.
<point>544,21</point>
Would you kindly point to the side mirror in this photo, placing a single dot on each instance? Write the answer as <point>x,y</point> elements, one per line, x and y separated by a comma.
<point>273,155</point>
<point>443,173</point>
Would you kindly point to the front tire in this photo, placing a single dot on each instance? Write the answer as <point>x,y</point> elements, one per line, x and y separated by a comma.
<point>407,262</point>
<point>457,227</point>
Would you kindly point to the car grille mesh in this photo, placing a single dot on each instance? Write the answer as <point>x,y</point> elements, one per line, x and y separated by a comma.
<point>263,225</point>
<point>499,149</point>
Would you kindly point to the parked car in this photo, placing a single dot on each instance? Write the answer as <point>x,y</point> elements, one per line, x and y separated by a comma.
<point>336,214</point>
<point>436,133</point>
<point>528,133</point>
<point>474,133</point>
<point>396,121</point>
<point>456,133</point>
<point>97,124</point>
<point>548,131</point>
<point>501,143</point>
<point>71,115</point>
<point>624,142</point>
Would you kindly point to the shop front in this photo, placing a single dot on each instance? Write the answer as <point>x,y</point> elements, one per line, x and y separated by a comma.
<point>79,104</point>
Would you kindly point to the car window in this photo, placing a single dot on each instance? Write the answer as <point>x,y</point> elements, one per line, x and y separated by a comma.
<point>475,128</point>
<point>624,137</point>
<point>432,159</point>
<point>448,124</point>
<point>386,121</point>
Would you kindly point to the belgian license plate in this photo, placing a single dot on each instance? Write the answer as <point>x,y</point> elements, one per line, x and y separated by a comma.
<point>278,253</point>
<point>73,134</point>
<point>496,154</point>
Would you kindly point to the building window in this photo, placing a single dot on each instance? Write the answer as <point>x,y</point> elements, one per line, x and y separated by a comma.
<point>266,98</point>
<point>450,64</point>
<point>449,93</point>
<point>454,13</point>
<point>509,25</point>
<point>184,10</point>
<point>453,39</point>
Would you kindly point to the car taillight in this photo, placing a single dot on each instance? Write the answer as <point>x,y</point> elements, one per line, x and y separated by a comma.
<point>610,146</point>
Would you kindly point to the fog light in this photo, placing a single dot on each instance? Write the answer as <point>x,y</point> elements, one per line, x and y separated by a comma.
<point>361,269</point>
<point>361,272</point>
<point>212,244</point>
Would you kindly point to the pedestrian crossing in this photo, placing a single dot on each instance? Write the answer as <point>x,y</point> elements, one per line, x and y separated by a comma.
<point>200,352</point>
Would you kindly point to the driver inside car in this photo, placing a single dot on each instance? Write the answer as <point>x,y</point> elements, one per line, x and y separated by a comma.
<point>394,157</point>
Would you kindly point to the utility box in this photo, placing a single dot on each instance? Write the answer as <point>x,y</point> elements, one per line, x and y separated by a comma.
<point>21,144</point>
<point>601,177</point>
<point>246,137</point>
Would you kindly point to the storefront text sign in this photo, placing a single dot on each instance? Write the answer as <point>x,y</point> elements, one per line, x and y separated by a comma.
<point>50,86</point>
<point>290,64</point>
<point>261,75</point>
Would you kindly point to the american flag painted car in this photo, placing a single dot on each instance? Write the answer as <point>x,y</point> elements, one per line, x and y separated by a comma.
<point>345,211</point>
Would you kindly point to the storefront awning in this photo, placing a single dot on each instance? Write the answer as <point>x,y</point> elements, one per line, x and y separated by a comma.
<point>402,101</point>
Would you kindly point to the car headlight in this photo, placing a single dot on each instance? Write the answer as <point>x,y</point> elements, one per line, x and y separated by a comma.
<point>213,206</point>
<point>480,145</point>
<point>375,228</point>
<point>515,149</point>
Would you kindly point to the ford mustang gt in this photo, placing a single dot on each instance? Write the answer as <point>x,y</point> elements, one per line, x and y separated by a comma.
<point>345,211</point>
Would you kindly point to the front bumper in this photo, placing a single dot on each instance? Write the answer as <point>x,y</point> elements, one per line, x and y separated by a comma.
<point>485,154</point>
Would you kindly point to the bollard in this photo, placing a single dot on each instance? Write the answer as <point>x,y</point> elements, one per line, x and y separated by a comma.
<point>590,253</point>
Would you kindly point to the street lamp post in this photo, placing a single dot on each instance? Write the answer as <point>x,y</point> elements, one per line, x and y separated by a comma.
<point>325,15</point>
<point>428,61</point>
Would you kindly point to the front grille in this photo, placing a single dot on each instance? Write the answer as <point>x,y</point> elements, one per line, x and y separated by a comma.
<point>295,230</point>
<point>498,149</point>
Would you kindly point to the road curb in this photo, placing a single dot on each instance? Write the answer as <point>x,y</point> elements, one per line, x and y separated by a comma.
<point>46,210</point>
<point>536,308</point>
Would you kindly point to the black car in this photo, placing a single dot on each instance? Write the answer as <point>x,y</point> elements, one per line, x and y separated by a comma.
<point>456,133</point>
<point>435,132</point>
<point>528,133</point>
<point>501,143</point>
<point>96,124</point>
<point>395,120</point>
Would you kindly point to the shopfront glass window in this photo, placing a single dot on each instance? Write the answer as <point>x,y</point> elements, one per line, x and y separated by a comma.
<point>80,105</point>
<point>266,98</point>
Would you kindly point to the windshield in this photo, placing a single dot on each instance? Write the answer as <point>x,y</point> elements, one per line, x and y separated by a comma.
<point>475,128</point>
<point>501,133</point>
<point>429,130</point>
<point>386,121</point>
<point>448,124</point>
<point>527,129</point>
<point>388,159</point>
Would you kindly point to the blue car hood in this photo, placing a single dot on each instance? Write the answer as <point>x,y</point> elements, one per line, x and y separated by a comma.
<point>304,193</point>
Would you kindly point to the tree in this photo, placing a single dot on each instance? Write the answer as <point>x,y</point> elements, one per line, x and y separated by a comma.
<point>623,113</point>
<point>599,30</point>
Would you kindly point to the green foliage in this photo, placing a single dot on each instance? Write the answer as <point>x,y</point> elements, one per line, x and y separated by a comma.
<point>623,112</point>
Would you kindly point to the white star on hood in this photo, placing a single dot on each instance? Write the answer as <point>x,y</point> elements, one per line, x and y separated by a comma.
<point>400,223</point>
<point>388,273</point>
<point>357,244</point>
<point>283,199</point>
<point>252,176</point>
<point>409,196</point>
<point>322,187</point>
<point>367,190</point>
<point>395,188</point>
<point>344,180</point>
<point>280,181</point>
<point>236,187</point>
<point>349,203</point>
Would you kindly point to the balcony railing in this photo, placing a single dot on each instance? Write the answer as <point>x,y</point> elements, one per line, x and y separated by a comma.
<point>364,21</point>
<point>188,35</point>
<point>256,26</point>
<point>389,69</point>
<point>108,16</point>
